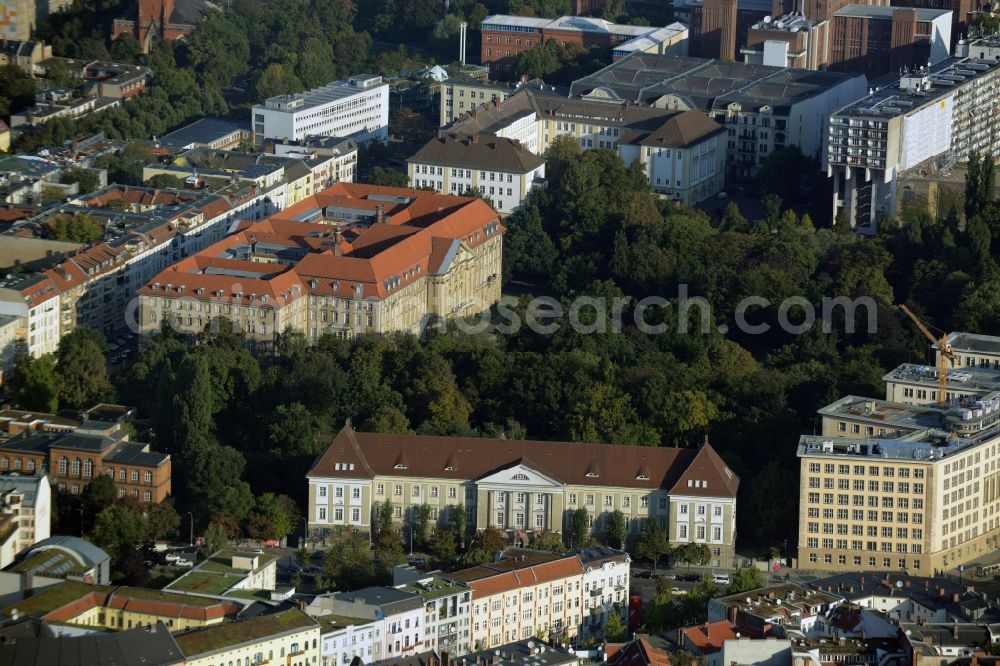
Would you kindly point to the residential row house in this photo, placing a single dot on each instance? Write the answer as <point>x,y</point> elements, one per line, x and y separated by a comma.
<point>145,230</point>
<point>74,459</point>
<point>354,259</point>
<point>524,487</point>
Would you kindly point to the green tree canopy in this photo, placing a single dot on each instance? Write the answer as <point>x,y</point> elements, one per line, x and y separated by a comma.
<point>80,363</point>
<point>118,530</point>
<point>36,383</point>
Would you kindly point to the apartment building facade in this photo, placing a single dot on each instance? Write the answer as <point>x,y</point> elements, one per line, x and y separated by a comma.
<point>932,113</point>
<point>74,459</point>
<point>515,486</point>
<point>447,614</point>
<point>398,615</point>
<point>344,638</point>
<point>145,231</point>
<point>25,513</point>
<point>352,259</point>
<point>525,593</point>
<point>605,589</point>
<point>462,94</point>
<point>357,108</point>
<point>503,170</point>
<point>889,486</point>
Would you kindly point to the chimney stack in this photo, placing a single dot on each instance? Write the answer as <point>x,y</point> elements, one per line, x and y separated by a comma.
<point>379,214</point>
<point>954,597</point>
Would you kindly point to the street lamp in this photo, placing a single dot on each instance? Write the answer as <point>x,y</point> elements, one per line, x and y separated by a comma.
<point>191,514</point>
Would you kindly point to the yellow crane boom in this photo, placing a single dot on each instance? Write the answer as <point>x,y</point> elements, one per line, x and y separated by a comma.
<point>945,354</point>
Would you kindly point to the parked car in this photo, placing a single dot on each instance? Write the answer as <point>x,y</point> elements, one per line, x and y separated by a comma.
<point>645,574</point>
<point>668,576</point>
<point>184,564</point>
<point>721,579</point>
<point>171,557</point>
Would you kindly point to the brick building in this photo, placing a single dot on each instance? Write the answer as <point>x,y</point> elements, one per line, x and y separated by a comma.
<point>160,19</point>
<point>869,39</point>
<point>505,37</point>
<point>74,459</point>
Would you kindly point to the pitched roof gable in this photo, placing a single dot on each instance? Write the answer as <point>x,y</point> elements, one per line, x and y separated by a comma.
<point>707,476</point>
<point>469,458</point>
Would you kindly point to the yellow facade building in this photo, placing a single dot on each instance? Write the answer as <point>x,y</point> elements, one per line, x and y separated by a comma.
<point>524,487</point>
<point>351,260</point>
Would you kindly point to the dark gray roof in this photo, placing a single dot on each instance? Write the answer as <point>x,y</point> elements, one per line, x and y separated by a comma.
<point>931,593</point>
<point>134,453</point>
<point>683,129</point>
<point>133,647</point>
<point>530,652</point>
<point>29,443</point>
<point>387,598</point>
<point>483,151</point>
<point>85,442</point>
<point>598,555</point>
<point>202,131</point>
<point>27,485</point>
<point>705,83</point>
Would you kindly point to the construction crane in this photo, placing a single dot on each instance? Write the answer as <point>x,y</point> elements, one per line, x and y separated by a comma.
<point>945,354</point>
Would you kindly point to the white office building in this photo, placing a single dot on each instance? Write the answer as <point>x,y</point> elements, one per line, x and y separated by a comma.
<point>357,108</point>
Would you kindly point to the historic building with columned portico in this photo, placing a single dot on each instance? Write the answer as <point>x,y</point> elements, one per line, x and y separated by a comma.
<point>524,487</point>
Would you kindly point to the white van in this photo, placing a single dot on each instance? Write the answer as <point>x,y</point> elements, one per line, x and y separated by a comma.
<point>721,579</point>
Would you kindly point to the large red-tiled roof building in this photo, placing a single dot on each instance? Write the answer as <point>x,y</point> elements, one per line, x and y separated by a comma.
<point>352,259</point>
<point>524,487</point>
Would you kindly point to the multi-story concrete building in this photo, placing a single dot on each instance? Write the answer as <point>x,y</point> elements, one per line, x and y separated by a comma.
<point>357,108</point>
<point>974,371</point>
<point>525,593</point>
<point>508,484</point>
<point>944,111</point>
<point>287,637</point>
<point>889,486</point>
<point>447,614</point>
<point>682,152</point>
<point>503,170</point>
<point>25,513</point>
<point>605,589</point>
<point>349,260</point>
<point>74,459</point>
<point>504,37</point>
<point>461,94</point>
<point>791,40</point>
<point>762,108</point>
<point>33,300</point>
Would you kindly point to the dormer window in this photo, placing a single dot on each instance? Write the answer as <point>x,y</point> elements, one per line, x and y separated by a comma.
<point>399,466</point>
<point>642,477</point>
<point>593,475</point>
<point>450,468</point>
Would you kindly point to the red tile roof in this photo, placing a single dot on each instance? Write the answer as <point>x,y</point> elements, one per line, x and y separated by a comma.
<point>419,231</point>
<point>708,638</point>
<point>511,574</point>
<point>707,476</point>
<point>637,653</point>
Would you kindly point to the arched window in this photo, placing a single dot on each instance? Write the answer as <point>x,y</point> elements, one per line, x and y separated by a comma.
<point>88,468</point>
<point>147,497</point>
<point>149,477</point>
<point>75,468</point>
<point>135,475</point>
<point>62,465</point>
<point>111,473</point>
